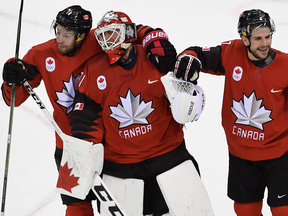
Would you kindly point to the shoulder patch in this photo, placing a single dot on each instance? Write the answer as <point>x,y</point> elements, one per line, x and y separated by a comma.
<point>226,42</point>
<point>205,48</point>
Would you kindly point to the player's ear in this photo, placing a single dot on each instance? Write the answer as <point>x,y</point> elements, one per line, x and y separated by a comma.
<point>81,37</point>
<point>245,41</point>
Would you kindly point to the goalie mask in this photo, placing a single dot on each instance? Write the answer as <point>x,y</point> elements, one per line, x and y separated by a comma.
<point>115,32</point>
<point>187,100</point>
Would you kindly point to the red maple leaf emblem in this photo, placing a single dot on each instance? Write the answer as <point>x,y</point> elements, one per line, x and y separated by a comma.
<point>50,62</point>
<point>66,181</point>
<point>101,80</point>
<point>238,71</point>
<point>206,49</point>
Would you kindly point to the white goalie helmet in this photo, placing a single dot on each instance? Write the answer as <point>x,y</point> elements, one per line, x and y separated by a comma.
<point>187,100</point>
<point>115,32</point>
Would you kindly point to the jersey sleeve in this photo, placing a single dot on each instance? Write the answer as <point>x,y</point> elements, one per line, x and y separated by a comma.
<point>210,58</point>
<point>86,118</point>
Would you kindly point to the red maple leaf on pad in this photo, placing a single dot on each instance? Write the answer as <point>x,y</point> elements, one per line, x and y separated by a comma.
<point>66,181</point>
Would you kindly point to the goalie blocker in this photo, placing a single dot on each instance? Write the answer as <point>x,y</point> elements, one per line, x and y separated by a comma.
<point>187,100</point>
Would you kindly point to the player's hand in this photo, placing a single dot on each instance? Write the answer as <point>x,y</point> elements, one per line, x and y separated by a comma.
<point>158,48</point>
<point>14,72</point>
<point>187,67</point>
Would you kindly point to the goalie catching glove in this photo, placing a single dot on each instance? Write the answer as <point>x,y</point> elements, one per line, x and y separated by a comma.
<point>187,100</point>
<point>158,48</point>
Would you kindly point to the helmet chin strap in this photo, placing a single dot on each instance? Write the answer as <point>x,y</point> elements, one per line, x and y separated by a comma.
<point>77,39</point>
<point>73,52</point>
<point>249,50</point>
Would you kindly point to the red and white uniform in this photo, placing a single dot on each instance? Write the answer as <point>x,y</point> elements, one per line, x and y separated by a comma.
<point>254,115</point>
<point>126,110</point>
<point>59,73</point>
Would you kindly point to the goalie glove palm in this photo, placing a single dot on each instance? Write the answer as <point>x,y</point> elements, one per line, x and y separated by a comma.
<point>187,67</point>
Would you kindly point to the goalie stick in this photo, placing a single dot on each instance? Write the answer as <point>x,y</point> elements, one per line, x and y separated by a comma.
<point>99,187</point>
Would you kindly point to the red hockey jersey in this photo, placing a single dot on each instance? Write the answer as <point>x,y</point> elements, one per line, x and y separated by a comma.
<point>134,118</point>
<point>60,74</point>
<point>254,116</point>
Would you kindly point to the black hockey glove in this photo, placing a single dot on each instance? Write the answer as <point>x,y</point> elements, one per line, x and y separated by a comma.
<point>187,67</point>
<point>158,48</point>
<point>14,72</point>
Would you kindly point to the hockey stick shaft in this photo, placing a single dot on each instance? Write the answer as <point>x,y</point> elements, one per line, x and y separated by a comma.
<point>99,187</point>
<point>105,197</point>
<point>43,108</point>
<point>11,116</point>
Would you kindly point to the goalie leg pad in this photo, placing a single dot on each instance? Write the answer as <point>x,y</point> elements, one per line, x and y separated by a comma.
<point>128,192</point>
<point>184,191</point>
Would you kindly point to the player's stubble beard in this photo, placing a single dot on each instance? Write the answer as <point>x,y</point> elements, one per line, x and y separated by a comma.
<point>257,52</point>
<point>64,50</point>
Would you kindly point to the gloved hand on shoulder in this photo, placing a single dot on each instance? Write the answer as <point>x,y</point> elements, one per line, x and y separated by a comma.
<point>187,67</point>
<point>158,48</point>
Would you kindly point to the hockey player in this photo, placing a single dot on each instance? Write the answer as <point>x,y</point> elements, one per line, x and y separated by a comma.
<point>58,63</point>
<point>120,103</point>
<point>254,115</point>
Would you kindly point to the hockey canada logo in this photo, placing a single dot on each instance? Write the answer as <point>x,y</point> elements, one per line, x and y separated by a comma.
<point>66,96</point>
<point>131,110</point>
<point>237,73</point>
<point>250,112</point>
<point>50,64</point>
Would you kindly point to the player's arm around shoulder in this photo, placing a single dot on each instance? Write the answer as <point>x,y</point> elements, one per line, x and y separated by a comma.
<point>86,121</point>
<point>160,51</point>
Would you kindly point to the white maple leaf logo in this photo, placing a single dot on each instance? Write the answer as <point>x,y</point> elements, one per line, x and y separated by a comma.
<point>250,112</point>
<point>132,111</point>
<point>66,96</point>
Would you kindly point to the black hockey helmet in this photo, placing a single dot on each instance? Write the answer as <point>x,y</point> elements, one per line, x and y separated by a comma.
<point>74,18</point>
<point>251,19</point>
